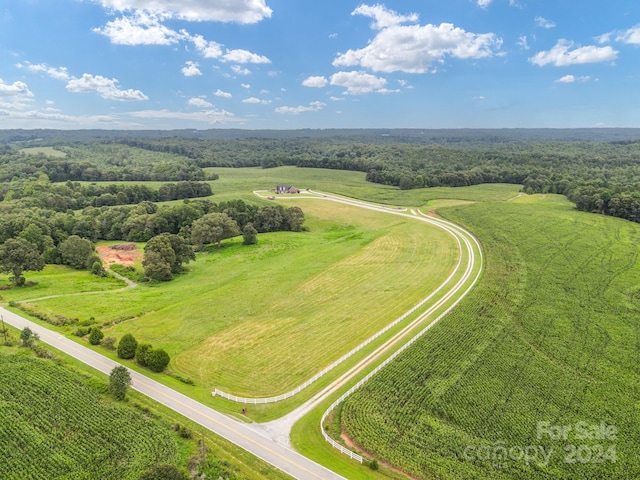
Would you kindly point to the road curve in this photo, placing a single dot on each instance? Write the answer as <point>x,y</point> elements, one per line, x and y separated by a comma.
<point>268,441</point>
<point>236,432</point>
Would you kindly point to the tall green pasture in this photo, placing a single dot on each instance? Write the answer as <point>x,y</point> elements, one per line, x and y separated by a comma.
<point>260,320</point>
<point>552,334</point>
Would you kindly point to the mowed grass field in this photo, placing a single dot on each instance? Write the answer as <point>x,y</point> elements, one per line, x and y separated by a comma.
<point>259,320</point>
<point>351,184</point>
<point>552,334</point>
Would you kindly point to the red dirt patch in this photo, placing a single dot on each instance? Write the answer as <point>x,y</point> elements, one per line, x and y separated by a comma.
<point>120,254</point>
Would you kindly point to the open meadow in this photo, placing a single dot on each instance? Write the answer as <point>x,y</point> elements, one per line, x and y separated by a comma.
<point>259,320</point>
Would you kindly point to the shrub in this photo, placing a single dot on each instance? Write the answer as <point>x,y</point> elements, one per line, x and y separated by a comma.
<point>157,360</point>
<point>374,465</point>
<point>109,343</point>
<point>98,270</point>
<point>81,332</point>
<point>96,336</point>
<point>142,354</point>
<point>127,346</point>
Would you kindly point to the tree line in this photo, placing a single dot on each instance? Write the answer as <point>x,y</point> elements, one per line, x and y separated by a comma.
<point>31,237</point>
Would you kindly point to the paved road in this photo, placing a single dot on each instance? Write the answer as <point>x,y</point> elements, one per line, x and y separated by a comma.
<point>239,433</point>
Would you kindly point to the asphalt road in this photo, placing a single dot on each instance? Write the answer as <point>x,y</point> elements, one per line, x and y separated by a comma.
<point>236,432</point>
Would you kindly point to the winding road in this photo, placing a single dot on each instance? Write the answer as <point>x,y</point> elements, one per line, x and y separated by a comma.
<point>270,441</point>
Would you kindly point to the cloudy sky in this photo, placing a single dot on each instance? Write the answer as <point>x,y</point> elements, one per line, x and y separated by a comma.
<point>273,64</point>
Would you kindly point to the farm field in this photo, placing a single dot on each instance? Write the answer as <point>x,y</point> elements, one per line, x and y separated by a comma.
<point>347,183</point>
<point>226,325</point>
<point>550,335</point>
<point>55,425</point>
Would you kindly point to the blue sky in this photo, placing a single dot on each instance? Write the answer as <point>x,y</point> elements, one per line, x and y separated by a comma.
<point>278,64</point>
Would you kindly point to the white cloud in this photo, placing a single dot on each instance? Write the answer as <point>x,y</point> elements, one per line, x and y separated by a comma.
<point>383,17</point>
<point>238,70</point>
<point>566,79</point>
<point>484,3</point>
<point>220,93</point>
<point>105,87</point>
<point>336,99</point>
<point>561,55</point>
<point>244,56</point>
<point>191,69</point>
<point>572,79</point>
<point>59,73</point>
<point>141,28</point>
<point>604,38</point>
<point>240,11</point>
<point>312,107</point>
<point>256,101</point>
<point>523,42</point>
<point>245,85</point>
<point>358,83</point>
<point>544,23</point>
<point>315,82</point>
<point>208,49</point>
<point>631,36</point>
<point>199,102</point>
<point>414,48</point>
<point>19,89</point>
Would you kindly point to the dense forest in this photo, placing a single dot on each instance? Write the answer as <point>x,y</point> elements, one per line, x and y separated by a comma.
<point>598,169</point>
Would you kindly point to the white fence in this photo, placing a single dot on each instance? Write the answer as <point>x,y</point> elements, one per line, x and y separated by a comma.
<point>335,444</point>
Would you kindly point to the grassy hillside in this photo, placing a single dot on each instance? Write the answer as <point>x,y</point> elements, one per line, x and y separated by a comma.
<point>261,320</point>
<point>552,334</point>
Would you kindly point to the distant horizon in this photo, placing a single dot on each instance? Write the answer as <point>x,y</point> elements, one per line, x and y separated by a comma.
<point>337,64</point>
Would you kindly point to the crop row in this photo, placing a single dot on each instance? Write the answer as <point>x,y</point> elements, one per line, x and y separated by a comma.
<point>546,337</point>
<point>52,425</point>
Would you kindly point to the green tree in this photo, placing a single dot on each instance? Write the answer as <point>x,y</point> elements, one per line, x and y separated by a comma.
<point>76,251</point>
<point>34,234</point>
<point>142,354</point>
<point>294,217</point>
<point>163,471</point>
<point>157,360</point>
<point>173,249</point>
<point>119,382</point>
<point>127,346</point>
<point>249,235</point>
<point>96,336</point>
<point>18,255</point>
<point>156,267</point>
<point>27,336</point>
<point>213,227</point>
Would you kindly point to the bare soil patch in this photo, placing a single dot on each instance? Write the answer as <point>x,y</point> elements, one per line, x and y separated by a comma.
<point>121,254</point>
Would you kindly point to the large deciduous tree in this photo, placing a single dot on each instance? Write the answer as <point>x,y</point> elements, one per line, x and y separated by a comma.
<point>164,255</point>
<point>213,227</point>
<point>17,255</point>
<point>76,252</point>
